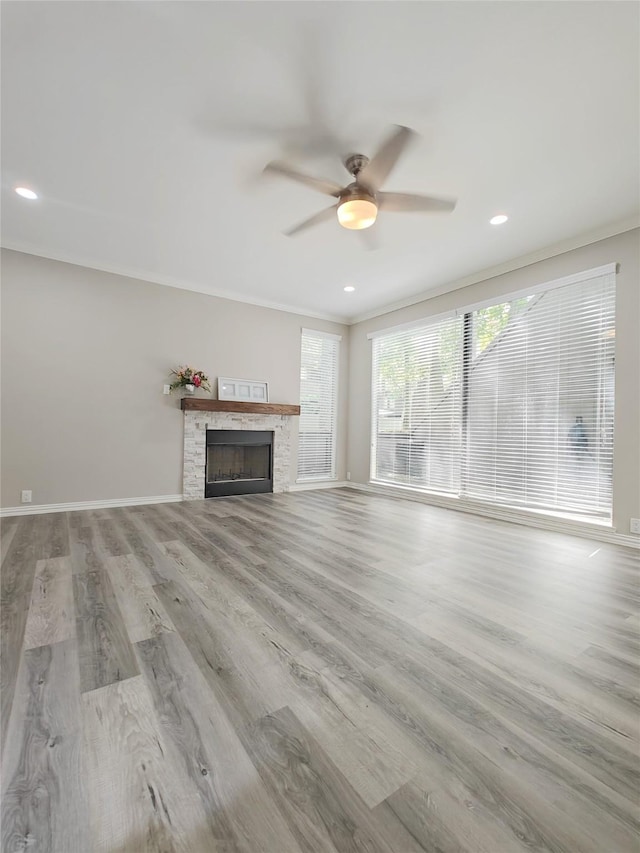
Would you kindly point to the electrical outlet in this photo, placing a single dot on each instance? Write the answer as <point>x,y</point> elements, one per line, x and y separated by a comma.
<point>26,496</point>
<point>348,475</point>
<point>635,525</point>
<point>166,389</point>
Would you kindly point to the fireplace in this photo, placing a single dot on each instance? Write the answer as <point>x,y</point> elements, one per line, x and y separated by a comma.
<point>238,462</point>
<point>202,416</point>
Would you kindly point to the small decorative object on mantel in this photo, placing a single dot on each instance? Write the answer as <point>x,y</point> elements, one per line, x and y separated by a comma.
<point>190,379</point>
<point>247,390</point>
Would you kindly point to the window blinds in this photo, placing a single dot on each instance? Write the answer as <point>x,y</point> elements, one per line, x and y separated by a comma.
<point>318,406</point>
<point>416,406</point>
<point>540,400</point>
<point>510,403</point>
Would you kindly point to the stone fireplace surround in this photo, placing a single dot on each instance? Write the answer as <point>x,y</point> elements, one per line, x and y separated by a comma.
<point>201,415</point>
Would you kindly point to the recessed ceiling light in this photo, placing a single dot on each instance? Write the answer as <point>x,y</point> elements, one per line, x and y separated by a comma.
<point>500,219</point>
<point>349,288</point>
<point>25,192</point>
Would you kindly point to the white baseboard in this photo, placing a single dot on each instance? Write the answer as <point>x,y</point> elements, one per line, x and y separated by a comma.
<point>318,484</point>
<point>574,528</point>
<point>559,525</point>
<point>39,509</point>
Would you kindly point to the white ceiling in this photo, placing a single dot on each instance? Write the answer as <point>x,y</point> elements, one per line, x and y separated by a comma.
<point>124,117</point>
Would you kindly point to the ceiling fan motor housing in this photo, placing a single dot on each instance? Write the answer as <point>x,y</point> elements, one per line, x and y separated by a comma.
<point>355,163</point>
<point>357,208</point>
<point>356,192</point>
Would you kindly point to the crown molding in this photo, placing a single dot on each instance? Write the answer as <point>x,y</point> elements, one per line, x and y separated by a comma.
<point>168,281</point>
<point>576,242</point>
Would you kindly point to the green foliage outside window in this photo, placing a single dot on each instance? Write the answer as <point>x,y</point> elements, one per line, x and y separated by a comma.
<point>489,322</point>
<point>429,363</point>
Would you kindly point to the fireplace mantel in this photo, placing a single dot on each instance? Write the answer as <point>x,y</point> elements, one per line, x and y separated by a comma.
<point>202,414</point>
<point>202,404</point>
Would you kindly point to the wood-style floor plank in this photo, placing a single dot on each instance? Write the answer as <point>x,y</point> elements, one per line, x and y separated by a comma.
<point>142,544</point>
<point>601,703</point>
<point>36,538</point>
<point>138,799</point>
<point>58,536</point>
<point>44,804</point>
<point>239,813</point>
<point>542,798</point>
<point>7,532</point>
<point>103,644</point>
<point>234,677</point>
<point>322,809</point>
<point>452,820</point>
<point>51,617</point>
<point>141,610</point>
<point>320,671</point>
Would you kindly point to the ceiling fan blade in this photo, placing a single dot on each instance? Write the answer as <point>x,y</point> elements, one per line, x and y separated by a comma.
<point>320,184</point>
<point>369,238</point>
<point>321,138</point>
<point>398,202</point>
<point>377,169</point>
<point>316,219</point>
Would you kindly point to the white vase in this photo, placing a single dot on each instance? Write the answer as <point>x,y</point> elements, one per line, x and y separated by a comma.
<point>190,389</point>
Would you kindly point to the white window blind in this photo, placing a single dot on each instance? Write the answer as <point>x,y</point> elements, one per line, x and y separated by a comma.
<point>416,406</point>
<point>318,406</point>
<point>510,403</point>
<point>540,400</point>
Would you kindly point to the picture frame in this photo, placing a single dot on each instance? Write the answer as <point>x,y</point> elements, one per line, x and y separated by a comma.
<point>243,390</point>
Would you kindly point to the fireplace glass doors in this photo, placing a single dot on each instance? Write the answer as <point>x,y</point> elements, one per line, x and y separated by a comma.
<point>239,462</point>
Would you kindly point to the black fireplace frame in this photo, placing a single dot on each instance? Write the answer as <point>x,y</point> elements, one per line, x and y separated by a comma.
<point>253,438</point>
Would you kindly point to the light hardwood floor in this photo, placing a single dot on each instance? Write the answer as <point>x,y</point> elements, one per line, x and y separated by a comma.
<point>320,671</point>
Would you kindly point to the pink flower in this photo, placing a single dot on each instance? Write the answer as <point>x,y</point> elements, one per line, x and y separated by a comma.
<point>197,381</point>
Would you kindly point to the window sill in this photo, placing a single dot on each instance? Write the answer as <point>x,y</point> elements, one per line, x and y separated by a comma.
<point>564,522</point>
<point>318,483</point>
<point>485,508</point>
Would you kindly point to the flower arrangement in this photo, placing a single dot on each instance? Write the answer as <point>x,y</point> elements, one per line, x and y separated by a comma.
<point>186,376</point>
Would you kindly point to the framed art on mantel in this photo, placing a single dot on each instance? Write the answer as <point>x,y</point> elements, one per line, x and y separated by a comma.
<point>246,390</point>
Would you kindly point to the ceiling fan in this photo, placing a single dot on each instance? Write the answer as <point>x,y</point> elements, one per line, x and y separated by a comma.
<point>359,202</point>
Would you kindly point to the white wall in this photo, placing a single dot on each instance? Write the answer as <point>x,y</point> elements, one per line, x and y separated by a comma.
<point>84,357</point>
<point>623,249</point>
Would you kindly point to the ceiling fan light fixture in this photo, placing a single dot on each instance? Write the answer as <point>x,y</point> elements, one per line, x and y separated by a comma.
<point>357,213</point>
<point>357,204</point>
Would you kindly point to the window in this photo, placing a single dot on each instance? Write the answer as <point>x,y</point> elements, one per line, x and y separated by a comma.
<point>510,403</point>
<point>318,406</point>
<point>417,412</point>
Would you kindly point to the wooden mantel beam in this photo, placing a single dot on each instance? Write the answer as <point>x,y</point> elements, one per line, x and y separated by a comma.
<point>202,404</point>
